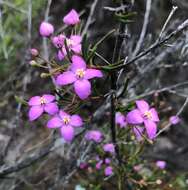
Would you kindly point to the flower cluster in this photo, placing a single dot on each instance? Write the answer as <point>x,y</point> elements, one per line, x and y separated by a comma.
<point>99,164</point>
<point>77,73</point>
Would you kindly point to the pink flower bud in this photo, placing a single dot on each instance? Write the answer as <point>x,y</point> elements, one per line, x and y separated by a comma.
<point>174,120</point>
<point>161,164</point>
<point>83,166</point>
<point>34,52</point>
<point>109,148</point>
<point>46,29</point>
<point>108,171</point>
<point>71,18</point>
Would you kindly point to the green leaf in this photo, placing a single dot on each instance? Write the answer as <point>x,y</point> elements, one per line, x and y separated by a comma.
<point>20,100</point>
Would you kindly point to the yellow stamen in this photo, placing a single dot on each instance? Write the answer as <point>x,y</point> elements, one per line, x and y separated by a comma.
<point>148,115</point>
<point>66,120</point>
<point>42,100</point>
<point>80,73</point>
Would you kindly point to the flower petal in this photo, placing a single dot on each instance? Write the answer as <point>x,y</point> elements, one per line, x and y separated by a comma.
<point>151,128</point>
<point>51,108</point>
<point>138,131</point>
<point>134,117</point>
<point>76,48</point>
<point>142,105</point>
<point>76,121</point>
<point>94,135</point>
<point>77,63</point>
<point>91,73</point>
<point>61,54</point>
<point>71,18</point>
<point>67,133</point>
<point>63,114</point>
<point>48,98</point>
<point>34,101</point>
<point>55,122</point>
<point>35,112</point>
<point>76,39</point>
<point>120,120</point>
<point>155,116</point>
<point>67,77</point>
<point>82,88</point>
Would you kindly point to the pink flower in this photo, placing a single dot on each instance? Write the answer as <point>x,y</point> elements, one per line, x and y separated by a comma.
<point>66,123</point>
<point>71,18</point>
<point>94,135</point>
<point>107,161</point>
<point>79,75</point>
<point>161,164</point>
<point>58,41</point>
<point>46,29</point>
<point>144,114</point>
<point>121,120</point>
<point>108,171</point>
<point>174,120</point>
<point>109,148</point>
<point>73,44</point>
<point>40,104</point>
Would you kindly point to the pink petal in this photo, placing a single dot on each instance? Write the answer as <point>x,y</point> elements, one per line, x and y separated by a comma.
<point>55,122</point>
<point>142,105</point>
<point>82,88</point>
<point>91,73</point>
<point>76,39</point>
<point>155,116</point>
<point>34,101</point>
<point>76,48</point>
<point>134,117</point>
<point>94,135</point>
<point>99,165</point>
<point>138,131</point>
<point>35,112</point>
<point>67,77</point>
<point>48,98</point>
<point>77,63</point>
<point>63,114</point>
<point>151,128</point>
<point>61,55</point>
<point>121,120</point>
<point>76,121</point>
<point>71,18</point>
<point>51,108</point>
<point>67,133</point>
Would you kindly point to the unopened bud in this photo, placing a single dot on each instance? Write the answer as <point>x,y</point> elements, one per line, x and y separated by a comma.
<point>44,75</point>
<point>34,52</point>
<point>33,63</point>
<point>158,182</point>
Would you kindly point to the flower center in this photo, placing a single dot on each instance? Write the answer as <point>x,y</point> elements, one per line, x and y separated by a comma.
<point>69,42</point>
<point>148,115</point>
<point>80,73</point>
<point>42,101</point>
<point>66,120</point>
